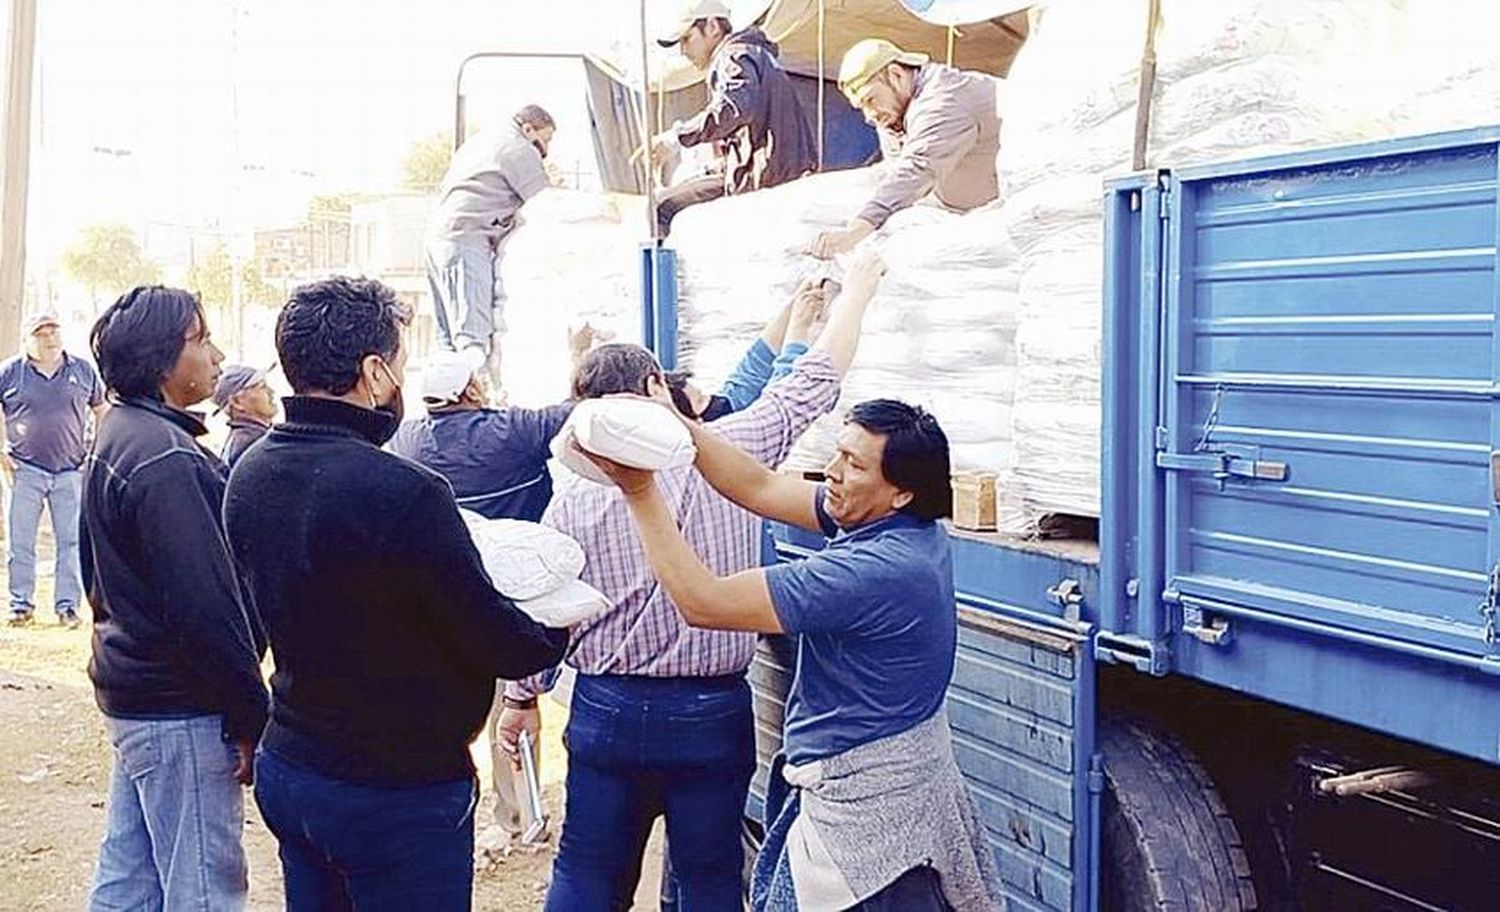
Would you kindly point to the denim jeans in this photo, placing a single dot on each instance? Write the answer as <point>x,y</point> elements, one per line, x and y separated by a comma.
<point>467,300</point>
<point>175,821</point>
<point>350,846</point>
<point>61,493</point>
<point>641,747</point>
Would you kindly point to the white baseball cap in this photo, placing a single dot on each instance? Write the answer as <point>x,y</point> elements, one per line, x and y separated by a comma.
<point>445,377</point>
<point>688,12</point>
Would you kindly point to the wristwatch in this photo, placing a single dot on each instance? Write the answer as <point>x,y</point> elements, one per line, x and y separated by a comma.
<point>510,702</point>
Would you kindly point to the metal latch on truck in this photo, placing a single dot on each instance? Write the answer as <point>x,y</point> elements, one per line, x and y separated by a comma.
<point>1222,462</point>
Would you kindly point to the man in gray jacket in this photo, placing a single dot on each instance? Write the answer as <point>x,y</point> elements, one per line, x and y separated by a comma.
<point>939,126</point>
<point>490,178</point>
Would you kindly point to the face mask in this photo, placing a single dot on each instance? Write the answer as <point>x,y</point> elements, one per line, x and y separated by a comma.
<point>396,408</point>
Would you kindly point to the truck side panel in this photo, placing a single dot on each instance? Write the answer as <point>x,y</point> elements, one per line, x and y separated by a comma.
<point>1327,388</point>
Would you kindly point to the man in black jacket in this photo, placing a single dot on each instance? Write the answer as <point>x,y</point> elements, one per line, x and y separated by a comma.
<point>386,632</point>
<point>759,132</point>
<point>175,662</point>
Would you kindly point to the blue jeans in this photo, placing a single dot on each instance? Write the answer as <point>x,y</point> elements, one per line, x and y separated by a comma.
<point>466,298</point>
<point>350,846</point>
<point>61,493</point>
<point>641,747</point>
<point>175,821</point>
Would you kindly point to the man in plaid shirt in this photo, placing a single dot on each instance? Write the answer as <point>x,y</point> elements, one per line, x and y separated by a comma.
<point>661,718</point>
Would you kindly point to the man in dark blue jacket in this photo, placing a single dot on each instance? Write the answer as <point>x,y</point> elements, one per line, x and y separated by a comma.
<point>386,632</point>
<point>176,663</point>
<point>758,131</point>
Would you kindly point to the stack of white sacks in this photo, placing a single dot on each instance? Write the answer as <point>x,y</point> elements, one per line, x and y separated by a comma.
<point>940,331</point>
<point>993,318</point>
<point>563,267</point>
<point>1235,79</point>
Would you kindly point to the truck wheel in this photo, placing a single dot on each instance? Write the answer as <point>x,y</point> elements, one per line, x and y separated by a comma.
<point>1168,842</point>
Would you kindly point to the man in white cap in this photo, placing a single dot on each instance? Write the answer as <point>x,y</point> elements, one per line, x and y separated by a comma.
<point>496,462</point>
<point>46,397</point>
<point>939,126</point>
<point>760,135</point>
<point>243,394</point>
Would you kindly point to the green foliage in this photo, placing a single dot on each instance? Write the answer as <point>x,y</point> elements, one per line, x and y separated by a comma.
<point>107,259</point>
<point>255,290</point>
<point>212,276</point>
<point>426,161</point>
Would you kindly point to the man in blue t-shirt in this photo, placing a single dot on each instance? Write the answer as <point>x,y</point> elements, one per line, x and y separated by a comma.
<point>875,622</point>
<point>46,399</point>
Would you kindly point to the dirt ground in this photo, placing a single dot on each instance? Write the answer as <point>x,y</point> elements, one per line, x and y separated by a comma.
<point>54,776</point>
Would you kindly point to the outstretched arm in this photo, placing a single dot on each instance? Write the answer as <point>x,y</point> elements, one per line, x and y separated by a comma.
<point>741,601</point>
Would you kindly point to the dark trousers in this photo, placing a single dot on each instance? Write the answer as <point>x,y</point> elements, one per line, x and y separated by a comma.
<point>639,748</point>
<point>918,890</point>
<point>678,197</point>
<point>347,846</point>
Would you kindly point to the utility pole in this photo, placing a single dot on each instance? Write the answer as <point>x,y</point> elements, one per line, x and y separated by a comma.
<point>20,57</point>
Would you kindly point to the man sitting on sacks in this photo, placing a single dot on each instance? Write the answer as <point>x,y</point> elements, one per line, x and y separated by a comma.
<point>661,719</point>
<point>753,118</point>
<point>939,129</point>
<point>866,808</point>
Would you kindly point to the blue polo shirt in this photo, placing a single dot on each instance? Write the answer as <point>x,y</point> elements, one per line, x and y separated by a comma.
<point>876,625</point>
<point>45,416</point>
<point>495,459</point>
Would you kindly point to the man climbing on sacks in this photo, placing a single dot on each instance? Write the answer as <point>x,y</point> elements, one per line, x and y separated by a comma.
<point>866,808</point>
<point>939,128</point>
<point>753,118</point>
<point>491,176</point>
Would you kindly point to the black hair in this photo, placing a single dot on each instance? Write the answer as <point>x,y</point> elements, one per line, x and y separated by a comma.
<point>535,117</point>
<point>616,367</point>
<point>725,26</point>
<point>677,381</point>
<point>330,326</point>
<point>915,457</point>
<point>137,341</point>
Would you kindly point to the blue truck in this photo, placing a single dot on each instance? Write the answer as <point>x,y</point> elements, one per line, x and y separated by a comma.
<point>1267,678</point>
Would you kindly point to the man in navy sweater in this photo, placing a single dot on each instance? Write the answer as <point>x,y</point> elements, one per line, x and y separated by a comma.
<point>386,632</point>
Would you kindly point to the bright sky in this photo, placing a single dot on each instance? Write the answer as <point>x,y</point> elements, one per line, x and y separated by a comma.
<point>165,113</point>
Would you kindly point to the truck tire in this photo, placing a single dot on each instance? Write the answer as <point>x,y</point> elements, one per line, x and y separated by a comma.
<point>1168,841</point>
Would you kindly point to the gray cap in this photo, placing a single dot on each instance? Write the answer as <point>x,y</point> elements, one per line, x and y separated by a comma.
<point>36,321</point>
<point>234,379</point>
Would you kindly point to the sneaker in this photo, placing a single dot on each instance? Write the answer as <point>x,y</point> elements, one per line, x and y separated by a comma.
<point>69,619</point>
<point>19,617</point>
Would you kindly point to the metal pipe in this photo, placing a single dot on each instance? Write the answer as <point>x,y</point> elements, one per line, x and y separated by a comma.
<point>19,65</point>
<point>1487,664</point>
<point>646,130</point>
<point>459,126</point>
<point>822,76</point>
<point>1147,88</point>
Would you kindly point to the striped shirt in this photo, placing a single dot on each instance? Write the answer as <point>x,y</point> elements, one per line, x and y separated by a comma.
<point>644,634</point>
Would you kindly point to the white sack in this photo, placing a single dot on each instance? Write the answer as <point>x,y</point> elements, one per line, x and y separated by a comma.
<point>573,603</point>
<point>634,432</point>
<point>525,560</point>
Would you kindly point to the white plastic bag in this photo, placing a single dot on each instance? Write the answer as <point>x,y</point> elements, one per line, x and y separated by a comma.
<point>633,432</point>
<point>524,559</point>
<point>572,603</point>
